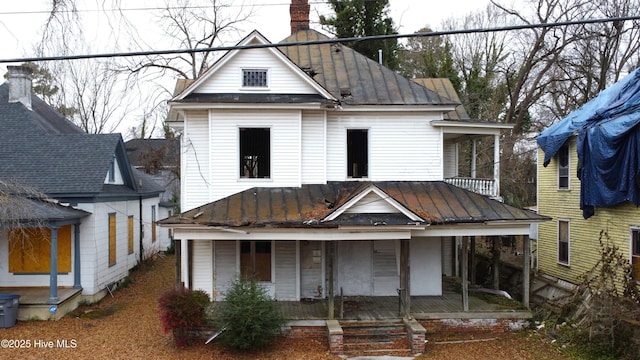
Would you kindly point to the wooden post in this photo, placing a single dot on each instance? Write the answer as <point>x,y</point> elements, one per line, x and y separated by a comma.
<point>405,271</point>
<point>465,273</point>
<point>526,249</point>
<point>330,259</point>
<point>495,260</point>
<point>472,252</point>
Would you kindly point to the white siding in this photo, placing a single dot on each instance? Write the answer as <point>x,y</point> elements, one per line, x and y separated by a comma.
<point>195,180</point>
<point>285,149</point>
<point>313,148</point>
<point>286,275</point>
<point>202,275</point>
<point>224,253</point>
<point>386,279</point>
<point>450,159</point>
<point>426,267</point>
<point>401,146</point>
<point>280,78</point>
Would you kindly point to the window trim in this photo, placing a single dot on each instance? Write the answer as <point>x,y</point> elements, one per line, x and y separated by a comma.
<point>561,152</point>
<point>239,162</point>
<point>367,175</point>
<point>254,87</point>
<point>558,240</point>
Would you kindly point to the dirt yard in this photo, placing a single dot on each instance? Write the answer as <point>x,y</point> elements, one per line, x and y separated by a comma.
<point>127,326</point>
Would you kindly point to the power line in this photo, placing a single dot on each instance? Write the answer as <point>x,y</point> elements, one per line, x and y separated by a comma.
<point>318,42</point>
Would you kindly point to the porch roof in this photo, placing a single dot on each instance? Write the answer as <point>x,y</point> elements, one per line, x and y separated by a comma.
<point>312,206</point>
<point>23,211</point>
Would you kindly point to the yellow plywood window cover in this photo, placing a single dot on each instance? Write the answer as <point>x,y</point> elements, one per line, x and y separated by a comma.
<point>130,235</point>
<point>112,239</point>
<point>30,250</point>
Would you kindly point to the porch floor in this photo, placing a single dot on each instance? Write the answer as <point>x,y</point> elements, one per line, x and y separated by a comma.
<point>39,295</point>
<point>447,306</point>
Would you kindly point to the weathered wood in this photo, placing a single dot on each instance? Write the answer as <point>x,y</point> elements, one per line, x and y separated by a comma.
<point>495,260</point>
<point>405,272</point>
<point>526,284</point>
<point>473,260</point>
<point>465,273</point>
<point>330,259</point>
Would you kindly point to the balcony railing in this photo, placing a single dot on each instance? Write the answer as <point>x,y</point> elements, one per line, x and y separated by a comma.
<point>485,187</point>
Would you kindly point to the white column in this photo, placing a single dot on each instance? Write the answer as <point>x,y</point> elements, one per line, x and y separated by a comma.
<point>473,159</point>
<point>496,163</point>
<point>184,265</point>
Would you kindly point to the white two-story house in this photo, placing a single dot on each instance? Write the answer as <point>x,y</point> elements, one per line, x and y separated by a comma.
<point>316,169</point>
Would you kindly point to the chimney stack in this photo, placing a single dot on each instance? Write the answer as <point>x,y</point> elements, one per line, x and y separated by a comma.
<point>299,11</point>
<point>20,85</point>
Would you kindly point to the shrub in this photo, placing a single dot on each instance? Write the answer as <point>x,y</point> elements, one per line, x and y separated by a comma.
<point>251,318</point>
<point>181,310</point>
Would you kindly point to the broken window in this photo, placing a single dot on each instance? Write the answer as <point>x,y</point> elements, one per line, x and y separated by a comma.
<point>357,153</point>
<point>563,167</point>
<point>254,78</point>
<point>255,259</point>
<point>563,242</point>
<point>255,153</point>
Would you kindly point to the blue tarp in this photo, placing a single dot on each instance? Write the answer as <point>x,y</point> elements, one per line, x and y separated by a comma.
<point>608,145</point>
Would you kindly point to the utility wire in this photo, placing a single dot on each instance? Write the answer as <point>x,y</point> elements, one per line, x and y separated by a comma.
<point>318,42</point>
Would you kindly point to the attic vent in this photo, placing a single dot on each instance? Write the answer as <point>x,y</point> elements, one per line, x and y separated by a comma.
<point>345,92</point>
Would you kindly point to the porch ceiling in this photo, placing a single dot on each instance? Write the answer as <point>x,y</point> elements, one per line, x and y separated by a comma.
<point>435,202</point>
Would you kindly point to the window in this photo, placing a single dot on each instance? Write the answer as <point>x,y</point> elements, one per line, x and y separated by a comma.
<point>112,170</point>
<point>255,152</point>
<point>255,259</point>
<point>30,250</point>
<point>563,167</point>
<point>635,253</point>
<point>254,78</point>
<point>112,239</point>
<point>357,153</point>
<point>130,234</point>
<point>563,242</point>
<point>153,223</point>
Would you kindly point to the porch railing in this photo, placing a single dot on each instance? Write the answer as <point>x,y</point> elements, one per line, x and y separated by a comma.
<point>485,187</point>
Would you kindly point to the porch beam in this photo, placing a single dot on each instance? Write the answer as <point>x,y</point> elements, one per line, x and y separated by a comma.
<point>53,266</point>
<point>76,257</point>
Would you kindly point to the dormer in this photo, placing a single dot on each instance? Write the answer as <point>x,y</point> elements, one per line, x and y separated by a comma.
<point>114,174</point>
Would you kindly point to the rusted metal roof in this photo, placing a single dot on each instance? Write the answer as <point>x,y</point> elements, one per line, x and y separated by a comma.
<point>436,202</point>
<point>444,87</point>
<point>353,78</point>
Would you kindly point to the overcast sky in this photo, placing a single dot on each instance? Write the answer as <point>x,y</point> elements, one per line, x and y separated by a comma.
<point>21,21</point>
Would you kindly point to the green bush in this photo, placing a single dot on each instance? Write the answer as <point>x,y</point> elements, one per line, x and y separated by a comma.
<point>251,318</point>
<point>181,310</point>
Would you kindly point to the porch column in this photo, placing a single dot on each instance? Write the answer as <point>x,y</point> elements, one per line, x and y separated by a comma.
<point>76,257</point>
<point>465,273</point>
<point>473,158</point>
<point>184,257</point>
<point>53,266</point>
<point>473,260</point>
<point>526,244</point>
<point>496,163</point>
<point>330,263</point>
<point>405,277</point>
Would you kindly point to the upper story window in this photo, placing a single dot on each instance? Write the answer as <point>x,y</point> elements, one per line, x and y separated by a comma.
<point>635,253</point>
<point>112,171</point>
<point>254,78</point>
<point>563,242</point>
<point>563,167</point>
<point>357,153</point>
<point>255,153</point>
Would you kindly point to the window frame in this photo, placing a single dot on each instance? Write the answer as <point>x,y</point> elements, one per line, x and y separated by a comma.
<point>352,158</point>
<point>250,268</point>
<point>568,242</point>
<point>113,239</point>
<point>262,172</point>
<point>245,85</point>
<point>564,170</point>
<point>634,250</point>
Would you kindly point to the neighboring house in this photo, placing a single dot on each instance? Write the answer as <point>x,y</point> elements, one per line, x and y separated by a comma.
<point>160,158</point>
<point>97,221</point>
<point>588,173</point>
<point>318,170</point>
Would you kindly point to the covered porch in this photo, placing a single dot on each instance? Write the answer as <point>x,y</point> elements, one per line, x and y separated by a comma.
<point>35,302</point>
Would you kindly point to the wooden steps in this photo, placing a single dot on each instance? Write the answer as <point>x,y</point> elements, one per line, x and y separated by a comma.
<point>375,337</point>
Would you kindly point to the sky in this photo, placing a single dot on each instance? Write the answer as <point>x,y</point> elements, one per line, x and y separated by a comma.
<point>21,21</point>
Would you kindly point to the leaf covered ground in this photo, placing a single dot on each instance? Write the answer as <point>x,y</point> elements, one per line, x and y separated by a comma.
<point>127,326</point>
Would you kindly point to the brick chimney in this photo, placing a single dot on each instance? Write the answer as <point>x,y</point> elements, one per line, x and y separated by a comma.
<point>20,85</point>
<point>299,11</point>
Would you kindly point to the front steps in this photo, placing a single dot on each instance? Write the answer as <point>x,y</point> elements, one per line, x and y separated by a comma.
<point>384,337</point>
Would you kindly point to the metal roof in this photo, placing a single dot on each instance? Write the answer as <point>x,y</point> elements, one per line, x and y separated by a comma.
<point>435,202</point>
